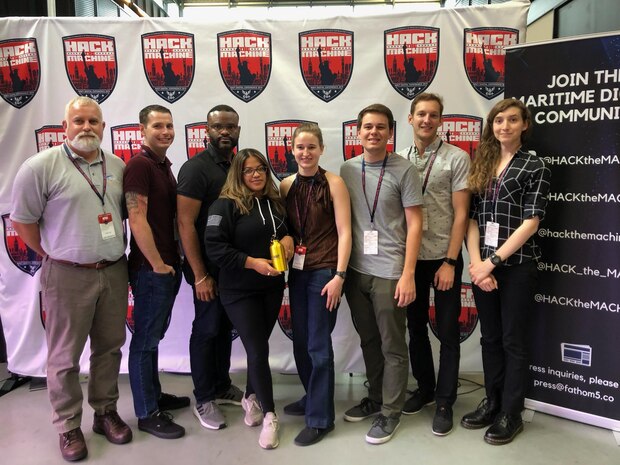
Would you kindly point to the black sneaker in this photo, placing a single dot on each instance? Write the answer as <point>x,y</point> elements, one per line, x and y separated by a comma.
<point>417,401</point>
<point>504,429</point>
<point>366,408</point>
<point>309,436</point>
<point>484,415</point>
<point>442,422</point>
<point>160,424</point>
<point>297,408</point>
<point>171,402</point>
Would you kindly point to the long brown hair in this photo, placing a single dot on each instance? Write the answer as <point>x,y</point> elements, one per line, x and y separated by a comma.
<point>489,151</point>
<point>236,190</point>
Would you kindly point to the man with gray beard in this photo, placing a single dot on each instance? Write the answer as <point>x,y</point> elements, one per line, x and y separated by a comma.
<point>67,206</point>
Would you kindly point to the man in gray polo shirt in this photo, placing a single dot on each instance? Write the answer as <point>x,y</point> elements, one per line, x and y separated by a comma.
<point>67,206</point>
<point>443,171</point>
<point>386,224</point>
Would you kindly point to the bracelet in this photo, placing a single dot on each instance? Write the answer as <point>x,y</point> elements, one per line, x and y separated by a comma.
<point>200,281</point>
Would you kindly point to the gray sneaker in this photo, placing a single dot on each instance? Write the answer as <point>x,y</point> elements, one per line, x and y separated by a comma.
<point>209,415</point>
<point>232,396</point>
<point>382,429</point>
<point>366,408</point>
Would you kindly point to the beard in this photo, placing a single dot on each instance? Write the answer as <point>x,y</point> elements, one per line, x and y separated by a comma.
<point>86,142</point>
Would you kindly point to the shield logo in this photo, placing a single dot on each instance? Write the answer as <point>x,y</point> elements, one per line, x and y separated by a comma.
<point>326,61</point>
<point>20,71</point>
<point>126,140</point>
<point>169,61</point>
<point>351,146</point>
<point>244,58</point>
<point>196,138</point>
<point>129,321</point>
<point>49,136</point>
<point>468,319</point>
<point>90,62</point>
<point>464,131</point>
<point>483,57</point>
<point>411,58</point>
<point>279,140</point>
<point>284,317</point>
<point>22,256</point>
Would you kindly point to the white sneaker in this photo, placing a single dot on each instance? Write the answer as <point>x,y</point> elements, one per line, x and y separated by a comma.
<point>253,413</point>
<point>268,438</point>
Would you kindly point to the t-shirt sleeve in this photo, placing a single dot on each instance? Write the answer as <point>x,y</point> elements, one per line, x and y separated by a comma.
<point>191,181</point>
<point>29,195</point>
<point>136,177</point>
<point>461,164</point>
<point>411,187</point>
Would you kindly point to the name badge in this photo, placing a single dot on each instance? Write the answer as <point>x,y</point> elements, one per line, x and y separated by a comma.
<point>299,258</point>
<point>371,242</point>
<point>491,234</point>
<point>106,225</point>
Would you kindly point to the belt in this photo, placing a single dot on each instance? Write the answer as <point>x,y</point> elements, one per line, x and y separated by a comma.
<point>101,264</point>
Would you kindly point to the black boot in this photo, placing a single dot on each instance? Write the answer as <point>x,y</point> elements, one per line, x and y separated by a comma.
<point>483,416</point>
<point>504,429</point>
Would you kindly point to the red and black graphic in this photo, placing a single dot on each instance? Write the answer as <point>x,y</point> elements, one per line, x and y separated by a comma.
<point>284,317</point>
<point>411,58</point>
<point>129,321</point>
<point>483,56</point>
<point>22,256</point>
<point>279,141</point>
<point>49,136</point>
<point>351,146</point>
<point>468,319</point>
<point>169,63</point>
<point>90,61</point>
<point>20,72</point>
<point>196,138</point>
<point>326,61</point>
<point>126,140</point>
<point>244,57</point>
<point>464,131</point>
<point>42,311</point>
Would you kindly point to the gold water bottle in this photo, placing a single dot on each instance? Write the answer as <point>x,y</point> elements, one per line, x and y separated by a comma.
<point>278,258</point>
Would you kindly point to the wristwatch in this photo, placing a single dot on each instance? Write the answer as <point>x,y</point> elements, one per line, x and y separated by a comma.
<point>496,259</point>
<point>342,274</point>
<point>450,261</point>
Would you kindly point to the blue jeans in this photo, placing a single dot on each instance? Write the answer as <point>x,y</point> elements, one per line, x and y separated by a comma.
<point>312,343</point>
<point>154,295</point>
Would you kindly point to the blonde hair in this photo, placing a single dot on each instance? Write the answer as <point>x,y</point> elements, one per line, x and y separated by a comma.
<point>81,101</point>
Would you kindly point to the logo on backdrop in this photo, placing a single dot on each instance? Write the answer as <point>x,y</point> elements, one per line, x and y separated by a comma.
<point>351,146</point>
<point>90,61</point>
<point>284,317</point>
<point>326,61</point>
<point>19,70</point>
<point>468,319</point>
<point>483,55</point>
<point>169,60</point>
<point>196,138</point>
<point>126,140</point>
<point>244,58</point>
<point>49,136</point>
<point>464,131</point>
<point>279,140</point>
<point>411,58</point>
<point>22,256</point>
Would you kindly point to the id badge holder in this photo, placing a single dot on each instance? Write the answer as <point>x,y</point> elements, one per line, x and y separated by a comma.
<point>106,225</point>
<point>371,242</point>
<point>491,234</point>
<point>300,257</point>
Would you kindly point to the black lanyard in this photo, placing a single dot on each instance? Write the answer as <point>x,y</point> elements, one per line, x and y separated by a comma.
<point>302,219</point>
<point>88,180</point>
<point>374,206</point>
<point>429,163</point>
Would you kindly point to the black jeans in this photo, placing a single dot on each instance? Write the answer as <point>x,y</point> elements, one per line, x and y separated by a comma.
<point>447,311</point>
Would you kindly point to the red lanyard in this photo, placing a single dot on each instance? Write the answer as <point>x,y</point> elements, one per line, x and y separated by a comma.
<point>90,183</point>
<point>374,206</point>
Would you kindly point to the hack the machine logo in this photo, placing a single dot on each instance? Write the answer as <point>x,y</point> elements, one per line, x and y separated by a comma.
<point>351,146</point>
<point>22,256</point>
<point>196,138</point>
<point>126,140</point>
<point>411,58</point>
<point>49,136</point>
<point>468,318</point>
<point>483,57</point>
<point>244,58</point>
<point>285,320</point>
<point>90,62</point>
<point>464,131</point>
<point>19,70</point>
<point>169,62</point>
<point>279,142</point>
<point>326,61</point>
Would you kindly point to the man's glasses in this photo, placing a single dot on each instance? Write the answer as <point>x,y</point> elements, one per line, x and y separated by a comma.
<point>250,171</point>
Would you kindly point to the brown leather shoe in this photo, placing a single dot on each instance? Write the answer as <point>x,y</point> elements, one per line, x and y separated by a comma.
<point>115,430</point>
<point>72,445</point>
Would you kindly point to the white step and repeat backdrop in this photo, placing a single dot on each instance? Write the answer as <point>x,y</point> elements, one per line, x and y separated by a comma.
<point>276,72</point>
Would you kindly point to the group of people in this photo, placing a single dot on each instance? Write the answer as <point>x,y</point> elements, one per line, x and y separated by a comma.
<point>383,232</point>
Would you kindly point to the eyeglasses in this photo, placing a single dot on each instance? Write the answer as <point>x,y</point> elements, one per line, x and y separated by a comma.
<point>250,171</point>
<point>222,127</point>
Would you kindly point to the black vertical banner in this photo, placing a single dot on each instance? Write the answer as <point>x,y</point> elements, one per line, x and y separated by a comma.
<point>573,90</point>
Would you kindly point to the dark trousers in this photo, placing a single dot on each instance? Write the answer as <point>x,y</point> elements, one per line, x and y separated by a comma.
<point>209,349</point>
<point>447,311</point>
<point>254,315</point>
<point>313,324</point>
<point>504,318</point>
